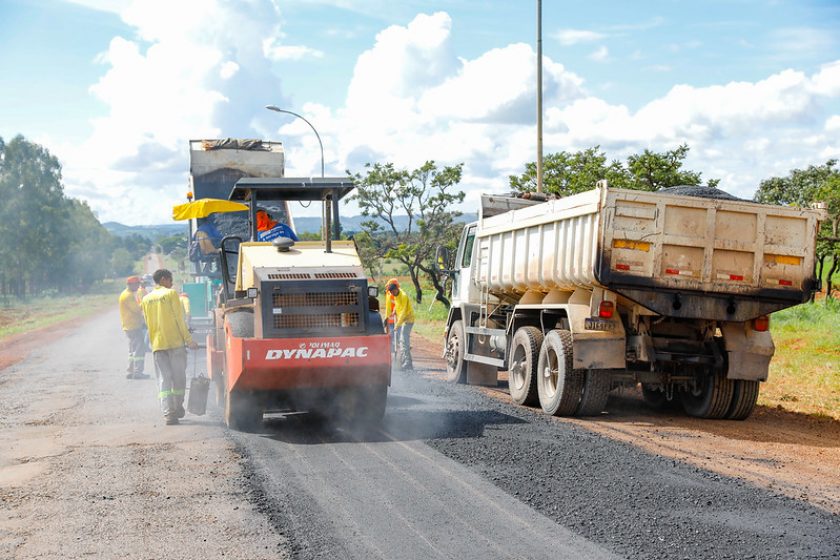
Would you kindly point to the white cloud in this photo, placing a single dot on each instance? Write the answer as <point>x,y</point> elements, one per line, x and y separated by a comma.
<point>600,54</point>
<point>575,36</point>
<point>273,51</point>
<point>228,70</point>
<point>200,70</point>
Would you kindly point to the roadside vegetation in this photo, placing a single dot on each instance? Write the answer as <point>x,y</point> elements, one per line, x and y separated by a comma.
<point>45,311</point>
<point>805,372</point>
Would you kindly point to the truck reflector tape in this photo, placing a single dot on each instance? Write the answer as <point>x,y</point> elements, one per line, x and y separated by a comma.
<point>678,272</point>
<point>632,245</point>
<point>786,259</point>
<point>622,266</point>
<point>785,283</point>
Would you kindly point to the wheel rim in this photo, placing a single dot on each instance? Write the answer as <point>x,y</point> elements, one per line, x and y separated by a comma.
<point>551,373</point>
<point>517,368</point>
<point>452,352</point>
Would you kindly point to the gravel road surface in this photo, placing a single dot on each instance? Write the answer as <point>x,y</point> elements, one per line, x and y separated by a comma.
<point>87,469</point>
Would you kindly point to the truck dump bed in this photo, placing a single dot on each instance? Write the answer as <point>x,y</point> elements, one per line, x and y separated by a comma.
<point>679,256</point>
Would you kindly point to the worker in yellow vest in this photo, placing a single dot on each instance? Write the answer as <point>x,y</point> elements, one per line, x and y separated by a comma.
<point>131,318</point>
<point>391,315</point>
<point>403,323</point>
<point>169,336</point>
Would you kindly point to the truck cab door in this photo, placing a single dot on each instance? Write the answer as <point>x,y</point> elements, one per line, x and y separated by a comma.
<point>463,263</point>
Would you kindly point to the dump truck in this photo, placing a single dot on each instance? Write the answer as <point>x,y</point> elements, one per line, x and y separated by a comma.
<point>576,296</point>
<point>297,327</point>
<point>215,166</point>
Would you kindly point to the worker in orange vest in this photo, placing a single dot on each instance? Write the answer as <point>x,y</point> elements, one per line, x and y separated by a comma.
<point>391,315</point>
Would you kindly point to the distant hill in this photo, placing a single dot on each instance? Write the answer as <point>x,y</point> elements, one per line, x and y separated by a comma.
<point>303,224</point>
<point>150,232</point>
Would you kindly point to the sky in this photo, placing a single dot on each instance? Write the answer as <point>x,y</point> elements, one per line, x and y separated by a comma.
<point>116,88</point>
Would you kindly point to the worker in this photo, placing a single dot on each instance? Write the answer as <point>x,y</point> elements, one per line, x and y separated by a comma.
<point>208,236</point>
<point>131,317</point>
<point>268,228</point>
<point>403,323</point>
<point>391,315</point>
<point>169,336</point>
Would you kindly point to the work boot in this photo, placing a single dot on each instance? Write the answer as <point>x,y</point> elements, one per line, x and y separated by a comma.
<point>171,421</point>
<point>141,376</point>
<point>180,413</point>
<point>130,376</point>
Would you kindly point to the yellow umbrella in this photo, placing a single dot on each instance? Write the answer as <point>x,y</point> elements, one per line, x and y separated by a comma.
<point>203,207</point>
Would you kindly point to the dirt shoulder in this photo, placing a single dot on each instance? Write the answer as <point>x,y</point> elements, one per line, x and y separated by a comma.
<point>793,454</point>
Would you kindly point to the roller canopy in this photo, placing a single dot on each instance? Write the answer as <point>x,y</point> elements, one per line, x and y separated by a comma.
<point>290,188</point>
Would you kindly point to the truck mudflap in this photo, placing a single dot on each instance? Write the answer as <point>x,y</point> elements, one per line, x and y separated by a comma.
<point>277,364</point>
<point>748,351</point>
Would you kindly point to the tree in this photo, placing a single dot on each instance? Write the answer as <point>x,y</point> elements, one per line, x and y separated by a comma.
<point>567,173</point>
<point>652,171</point>
<point>50,241</point>
<point>409,214</point>
<point>801,188</point>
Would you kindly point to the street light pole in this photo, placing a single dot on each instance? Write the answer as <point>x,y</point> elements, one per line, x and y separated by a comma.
<point>337,225</point>
<point>539,100</point>
<point>277,109</point>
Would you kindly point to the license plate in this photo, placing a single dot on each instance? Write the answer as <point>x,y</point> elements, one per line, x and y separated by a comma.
<point>591,324</point>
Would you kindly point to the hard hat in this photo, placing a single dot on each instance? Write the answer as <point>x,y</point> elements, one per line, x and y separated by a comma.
<point>393,281</point>
<point>132,280</point>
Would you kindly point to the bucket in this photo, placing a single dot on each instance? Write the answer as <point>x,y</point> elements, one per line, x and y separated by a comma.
<point>197,399</point>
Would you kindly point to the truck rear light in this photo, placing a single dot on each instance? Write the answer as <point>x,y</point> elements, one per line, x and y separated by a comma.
<point>606,309</point>
<point>785,283</point>
<point>762,324</point>
<point>622,266</point>
<point>736,277</point>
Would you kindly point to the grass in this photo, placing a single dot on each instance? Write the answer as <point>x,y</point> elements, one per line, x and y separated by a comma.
<point>25,316</point>
<point>805,372</point>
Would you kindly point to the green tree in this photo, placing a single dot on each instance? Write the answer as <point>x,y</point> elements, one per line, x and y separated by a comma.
<point>801,188</point>
<point>566,173</point>
<point>409,214</point>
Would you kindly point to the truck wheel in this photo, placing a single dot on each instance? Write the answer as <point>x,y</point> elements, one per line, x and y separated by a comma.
<point>596,391</point>
<point>559,385</point>
<point>712,397</point>
<point>522,374</point>
<point>744,398</point>
<point>456,370</point>
<point>241,412</point>
<point>241,323</point>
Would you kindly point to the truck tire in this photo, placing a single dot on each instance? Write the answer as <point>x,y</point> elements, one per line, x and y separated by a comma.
<point>456,368</point>
<point>241,323</point>
<point>744,398</point>
<point>242,413</point>
<point>596,391</point>
<point>559,385</point>
<point>712,399</point>
<point>522,374</point>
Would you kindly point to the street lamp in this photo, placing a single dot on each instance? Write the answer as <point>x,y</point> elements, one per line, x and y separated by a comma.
<point>277,109</point>
<point>337,223</point>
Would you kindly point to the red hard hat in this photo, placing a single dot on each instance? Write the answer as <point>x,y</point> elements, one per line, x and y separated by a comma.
<point>132,280</point>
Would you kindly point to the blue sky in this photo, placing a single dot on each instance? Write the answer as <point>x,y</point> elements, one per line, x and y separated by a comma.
<point>116,87</point>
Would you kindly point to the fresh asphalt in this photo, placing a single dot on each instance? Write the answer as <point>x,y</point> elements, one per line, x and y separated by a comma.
<point>453,473</point>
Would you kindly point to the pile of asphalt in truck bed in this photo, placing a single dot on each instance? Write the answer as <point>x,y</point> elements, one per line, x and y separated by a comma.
<point>634,503</point>
<point>700,191</point>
